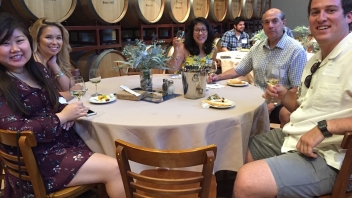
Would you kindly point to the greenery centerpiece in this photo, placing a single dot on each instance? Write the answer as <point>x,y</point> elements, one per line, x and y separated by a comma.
<point>259,36</point>
<point>144,58</point>
<point>306,38</point>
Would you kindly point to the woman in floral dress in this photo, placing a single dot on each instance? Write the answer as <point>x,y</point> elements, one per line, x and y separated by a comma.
<point>29,101</point>
<point>198,47</point>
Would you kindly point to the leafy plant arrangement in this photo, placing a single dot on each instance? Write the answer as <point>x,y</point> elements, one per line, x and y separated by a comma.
<point>259,36</point>
<point>143,57</point>
<point>303,30</point>
<point>306,39</point>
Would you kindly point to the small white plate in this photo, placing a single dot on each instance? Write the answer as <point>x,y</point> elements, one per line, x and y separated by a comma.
<point>244,50</point>
<point>96,101</point>
<point>232,104</point>
<point>244,83</point>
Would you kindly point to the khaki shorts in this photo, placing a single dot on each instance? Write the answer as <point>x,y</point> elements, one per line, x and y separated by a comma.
<point>295,174</point>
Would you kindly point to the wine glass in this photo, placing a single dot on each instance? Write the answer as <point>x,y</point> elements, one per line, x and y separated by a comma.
<point>180,36</point>
<point>212,69</point>
<point>77,87</point>
<point>273,77</point>
<point>238,46</point>
<point>95,78</point>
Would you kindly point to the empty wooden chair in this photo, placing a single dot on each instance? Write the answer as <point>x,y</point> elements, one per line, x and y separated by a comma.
<point>29,167</point>
<point>164,182</point>
<point>343,178</point>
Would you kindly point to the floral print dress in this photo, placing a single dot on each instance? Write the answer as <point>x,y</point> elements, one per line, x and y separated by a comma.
<point>196,60</point>
<point>59,153</point>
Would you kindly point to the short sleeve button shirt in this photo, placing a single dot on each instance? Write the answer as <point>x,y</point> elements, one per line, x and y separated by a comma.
<point>288,54</point>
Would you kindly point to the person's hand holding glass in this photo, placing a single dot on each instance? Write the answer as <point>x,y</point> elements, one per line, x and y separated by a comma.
<point>95,78</point>
<point>212,70</point>
<point>77,87</point>
<point>177,41</point>
<point>180,35</point>
<point>273,77</point>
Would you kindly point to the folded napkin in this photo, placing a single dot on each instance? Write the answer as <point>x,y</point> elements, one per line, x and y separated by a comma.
<point>205,105</point>
<point>214,86</point>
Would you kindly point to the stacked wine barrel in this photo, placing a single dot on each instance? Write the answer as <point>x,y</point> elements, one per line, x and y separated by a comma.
<point>132,13</point>
<point>129,14</point>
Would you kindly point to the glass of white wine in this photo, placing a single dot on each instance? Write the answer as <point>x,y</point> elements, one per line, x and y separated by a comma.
<point>238,46</point>
<point>273,77</point>
<point>77,87</point>
<point>180,35</point>
<point>213,68</point>
<point>95,78</point>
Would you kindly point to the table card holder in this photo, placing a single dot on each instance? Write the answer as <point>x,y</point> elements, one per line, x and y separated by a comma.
<point>124,95</point>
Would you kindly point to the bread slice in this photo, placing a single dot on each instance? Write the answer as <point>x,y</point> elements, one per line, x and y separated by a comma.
<point>219,103</point>
<point>236,81</point>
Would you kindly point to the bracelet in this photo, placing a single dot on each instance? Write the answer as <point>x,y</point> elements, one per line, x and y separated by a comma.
<point>59,74</point>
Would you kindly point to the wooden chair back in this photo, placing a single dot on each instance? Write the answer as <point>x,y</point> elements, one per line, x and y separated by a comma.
<point>343,178</point>
<point>165,158</point>
<point>29,167</point>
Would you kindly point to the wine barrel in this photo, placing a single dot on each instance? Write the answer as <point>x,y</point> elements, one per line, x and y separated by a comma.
<point>88,12</point>
<point>234,9</point>
<point>258,8</point>
<point>247,9</point>
<point>199,8</point>
<point>104,62</point>
<point>143,11</point>
<point>176,11</point>
<point>266,6</point>
<point>31,10</point>
<point>218,10</point>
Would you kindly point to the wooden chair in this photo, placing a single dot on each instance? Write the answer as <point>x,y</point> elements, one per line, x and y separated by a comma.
<point>162,182</point>
<point>2,175</point>
<point>29,167</point>
<point>343,178</point>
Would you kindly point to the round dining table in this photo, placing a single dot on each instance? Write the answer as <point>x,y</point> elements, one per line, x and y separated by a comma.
<point>177,123</point>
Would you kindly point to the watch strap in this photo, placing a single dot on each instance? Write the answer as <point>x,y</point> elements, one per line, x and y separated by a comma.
<point>323,127</point>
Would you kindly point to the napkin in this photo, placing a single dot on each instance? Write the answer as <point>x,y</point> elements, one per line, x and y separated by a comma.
<point>214,86</point>
<point>205,105</point>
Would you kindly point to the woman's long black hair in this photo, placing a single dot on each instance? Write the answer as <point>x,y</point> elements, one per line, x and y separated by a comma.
<point>8,24</point>
<point>190,43</point>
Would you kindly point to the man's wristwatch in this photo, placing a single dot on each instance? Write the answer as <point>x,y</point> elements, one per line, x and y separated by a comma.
<point>323,127</point>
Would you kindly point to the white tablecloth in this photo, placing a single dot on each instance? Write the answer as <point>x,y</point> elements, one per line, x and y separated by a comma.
<point>178,123</point>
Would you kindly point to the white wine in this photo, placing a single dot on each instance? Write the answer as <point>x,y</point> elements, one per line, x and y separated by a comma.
<point>273,81</point>
<point>95,80</point>
<point>77,93</point>
<point>181,40</point>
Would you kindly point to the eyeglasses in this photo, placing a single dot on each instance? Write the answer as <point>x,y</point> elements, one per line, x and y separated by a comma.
<point>200,30</point>
<point>313,69</point>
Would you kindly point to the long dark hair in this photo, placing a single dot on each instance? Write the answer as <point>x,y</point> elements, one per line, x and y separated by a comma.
<point>190,43</point>
<point>8,24</point>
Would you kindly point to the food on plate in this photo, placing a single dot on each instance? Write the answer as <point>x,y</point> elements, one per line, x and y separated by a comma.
<point>219,102</point>
<point>105,97</point>
<point>236,81</point>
